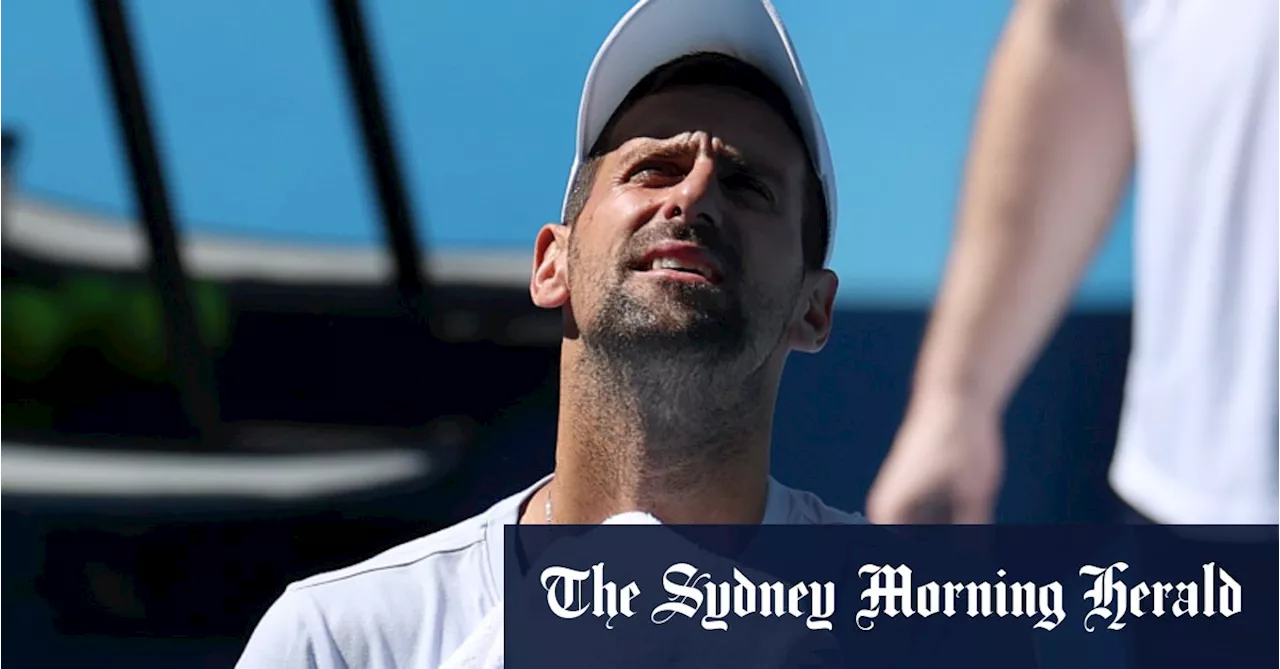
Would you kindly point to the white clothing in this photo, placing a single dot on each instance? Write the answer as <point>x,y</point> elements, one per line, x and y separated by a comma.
<point>415,604</point>
<point>486,648</point>
<point>1198,442</point>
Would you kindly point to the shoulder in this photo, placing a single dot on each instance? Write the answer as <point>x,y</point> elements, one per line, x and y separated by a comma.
<point>806,508</point>
<point>409,561</point>
<point>407,606</point>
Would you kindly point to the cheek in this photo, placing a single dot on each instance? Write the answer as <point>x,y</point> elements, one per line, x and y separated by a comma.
<point>626,210</point>
<point>588,264</point>
<point>774,249</point>
<point>611,225</point>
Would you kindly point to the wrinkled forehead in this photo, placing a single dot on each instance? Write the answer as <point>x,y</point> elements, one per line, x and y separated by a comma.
<point>739,123</point>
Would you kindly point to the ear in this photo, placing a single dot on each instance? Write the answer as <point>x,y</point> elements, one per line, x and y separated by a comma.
<point>549,285</point>
<point>810,332</point>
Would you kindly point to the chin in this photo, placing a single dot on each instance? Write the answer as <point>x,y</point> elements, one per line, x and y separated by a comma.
<point>666,315</point>
<point>680,300</point>
<point>679,316</point>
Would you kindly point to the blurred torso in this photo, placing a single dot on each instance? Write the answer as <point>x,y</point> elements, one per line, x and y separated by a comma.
<point>1198,437</point>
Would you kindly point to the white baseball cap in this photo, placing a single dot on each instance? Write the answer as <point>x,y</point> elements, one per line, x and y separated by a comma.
<point>656,32</point>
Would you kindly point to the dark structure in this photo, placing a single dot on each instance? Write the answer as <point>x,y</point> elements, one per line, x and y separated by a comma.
<point>446,358</point>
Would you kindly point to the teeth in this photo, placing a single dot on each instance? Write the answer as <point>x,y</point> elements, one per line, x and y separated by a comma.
<point>672,263</point>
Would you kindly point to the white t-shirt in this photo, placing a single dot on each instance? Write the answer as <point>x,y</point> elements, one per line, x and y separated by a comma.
<point>1198,441</point>
<point>413,605</point>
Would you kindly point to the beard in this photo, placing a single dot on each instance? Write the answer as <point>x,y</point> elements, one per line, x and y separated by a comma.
<point>668,338</point>
<point>693,324</point>
<point>687,363</point>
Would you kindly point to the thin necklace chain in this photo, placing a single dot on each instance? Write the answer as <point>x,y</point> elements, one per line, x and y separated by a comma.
<point>548,505</point>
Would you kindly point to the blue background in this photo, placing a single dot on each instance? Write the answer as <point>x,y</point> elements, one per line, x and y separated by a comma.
<point>259,136</point>
<point>259,139</point>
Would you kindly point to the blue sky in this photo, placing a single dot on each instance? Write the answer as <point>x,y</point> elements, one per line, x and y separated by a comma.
<point>258,137</point>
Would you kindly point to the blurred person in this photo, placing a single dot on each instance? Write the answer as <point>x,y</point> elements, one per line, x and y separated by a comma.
<point>1077,89</point>
<point>689,262</point>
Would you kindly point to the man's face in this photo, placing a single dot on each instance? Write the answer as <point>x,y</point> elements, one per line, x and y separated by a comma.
<point>690,240</point>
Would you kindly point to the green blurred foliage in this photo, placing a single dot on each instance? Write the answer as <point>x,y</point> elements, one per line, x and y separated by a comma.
<point>90,304</point>
<point>35,330</point>
<point>213,315</point>
<point>121,319</point>
<point>135,337</point>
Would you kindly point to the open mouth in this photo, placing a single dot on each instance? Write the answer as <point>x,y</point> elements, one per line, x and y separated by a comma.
<point>680,262</point>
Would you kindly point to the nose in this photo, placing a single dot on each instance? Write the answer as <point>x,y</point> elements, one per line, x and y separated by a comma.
<point>695,197</point>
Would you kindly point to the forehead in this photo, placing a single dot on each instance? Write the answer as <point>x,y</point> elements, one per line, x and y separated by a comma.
<point>741,121</point>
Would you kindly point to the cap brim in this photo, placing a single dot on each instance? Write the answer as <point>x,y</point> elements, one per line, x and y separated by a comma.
<point>656,32</point>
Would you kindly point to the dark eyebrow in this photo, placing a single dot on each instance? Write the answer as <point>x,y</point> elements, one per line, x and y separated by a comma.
<point>756,170</point>
<point>672,150</point>
<point>663,151</point>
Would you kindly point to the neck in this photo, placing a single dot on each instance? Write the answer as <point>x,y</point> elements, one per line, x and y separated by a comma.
<point>689,448</point>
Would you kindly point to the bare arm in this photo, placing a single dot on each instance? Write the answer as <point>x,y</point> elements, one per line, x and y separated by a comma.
<point>1050,154</point>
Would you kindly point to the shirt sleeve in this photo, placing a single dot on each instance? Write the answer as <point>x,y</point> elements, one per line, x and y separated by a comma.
<point>291,635</point>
